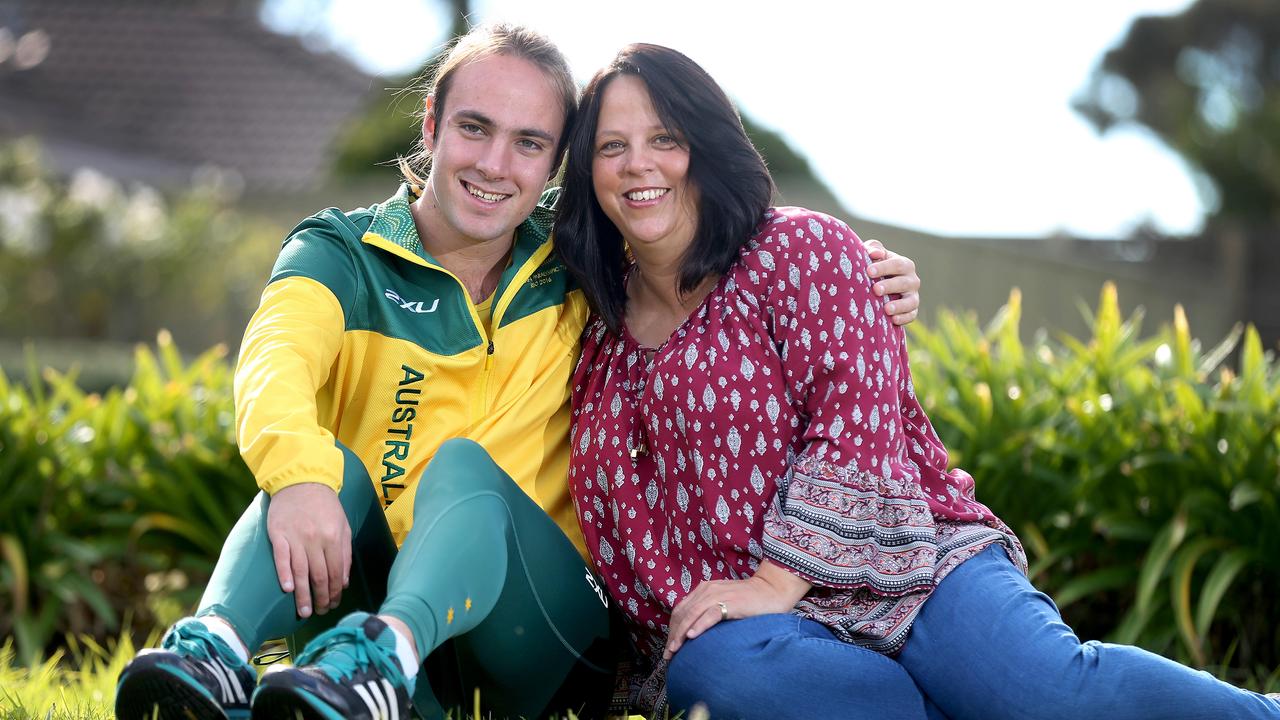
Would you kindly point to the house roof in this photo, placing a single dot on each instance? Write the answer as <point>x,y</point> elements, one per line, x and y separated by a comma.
<point>154,90</point>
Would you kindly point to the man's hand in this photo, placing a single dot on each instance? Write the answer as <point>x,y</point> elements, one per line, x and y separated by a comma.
<point>771,590</point>
<point>311,543</point>
<point>900,278</point>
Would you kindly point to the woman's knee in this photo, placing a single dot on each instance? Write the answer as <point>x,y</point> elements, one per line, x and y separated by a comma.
<point>714,667</point>
<point>778,665</point>
<point>730,646</point>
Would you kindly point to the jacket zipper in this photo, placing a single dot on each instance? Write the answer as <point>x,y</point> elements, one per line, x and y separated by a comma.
<point>499,308</point>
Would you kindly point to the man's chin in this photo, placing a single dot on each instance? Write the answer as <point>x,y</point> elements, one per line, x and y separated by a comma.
<point>496,223</point>
<point>487,233</point>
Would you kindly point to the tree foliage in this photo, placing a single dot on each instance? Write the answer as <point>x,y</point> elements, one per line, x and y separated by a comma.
<point>1207,81</point>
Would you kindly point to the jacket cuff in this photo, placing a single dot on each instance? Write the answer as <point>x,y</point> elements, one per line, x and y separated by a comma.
<point>298,474</point>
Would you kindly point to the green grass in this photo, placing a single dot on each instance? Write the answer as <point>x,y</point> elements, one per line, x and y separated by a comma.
<point>75,684</point>
<point>80,683</point>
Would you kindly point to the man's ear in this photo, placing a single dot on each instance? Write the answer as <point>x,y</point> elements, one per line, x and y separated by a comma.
<point>429,124</point>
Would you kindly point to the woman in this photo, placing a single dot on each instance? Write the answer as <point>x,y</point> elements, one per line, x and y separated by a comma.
<point>757,482</point>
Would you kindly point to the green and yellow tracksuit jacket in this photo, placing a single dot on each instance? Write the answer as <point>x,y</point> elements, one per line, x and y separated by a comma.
<point>363,337</point>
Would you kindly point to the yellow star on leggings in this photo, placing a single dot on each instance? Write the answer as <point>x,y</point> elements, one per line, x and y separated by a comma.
<point>468,605</point>
<point>449,618</point>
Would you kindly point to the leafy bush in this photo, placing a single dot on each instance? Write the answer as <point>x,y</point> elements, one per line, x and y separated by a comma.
<point>113,500</point>
<point>1142,474</point>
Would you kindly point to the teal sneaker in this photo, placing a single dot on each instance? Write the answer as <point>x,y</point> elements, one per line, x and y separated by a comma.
<point>193,674</point>
<point>350,671</point>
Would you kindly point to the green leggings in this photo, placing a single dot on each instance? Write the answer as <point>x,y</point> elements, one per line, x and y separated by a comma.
<point>497,597</point>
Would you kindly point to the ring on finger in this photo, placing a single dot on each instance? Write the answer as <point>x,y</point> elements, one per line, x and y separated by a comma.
<point>724,611</point>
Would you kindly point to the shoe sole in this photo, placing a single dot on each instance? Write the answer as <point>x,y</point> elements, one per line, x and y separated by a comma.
<point>285,703</point>
<point>158,693</point>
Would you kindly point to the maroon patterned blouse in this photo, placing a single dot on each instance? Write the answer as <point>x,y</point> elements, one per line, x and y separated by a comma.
<point>779,421</point>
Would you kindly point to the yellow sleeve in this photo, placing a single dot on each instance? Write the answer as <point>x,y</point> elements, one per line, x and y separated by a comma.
<point>289,349</point>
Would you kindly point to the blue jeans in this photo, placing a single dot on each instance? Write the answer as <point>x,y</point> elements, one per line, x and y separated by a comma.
<point>783,666</point>
<point>985,646</point>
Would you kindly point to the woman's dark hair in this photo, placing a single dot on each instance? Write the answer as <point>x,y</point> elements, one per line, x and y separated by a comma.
<point>732,183</point>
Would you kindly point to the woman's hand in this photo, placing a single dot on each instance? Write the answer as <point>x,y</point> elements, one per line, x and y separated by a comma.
<point>900,278</point>
<point>771,590</point>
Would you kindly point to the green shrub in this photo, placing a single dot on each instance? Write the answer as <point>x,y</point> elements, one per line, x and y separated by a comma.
<point>1142,475</point>
<point>113,500</point>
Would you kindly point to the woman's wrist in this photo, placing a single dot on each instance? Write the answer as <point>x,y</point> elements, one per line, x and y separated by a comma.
<point>785,583</point>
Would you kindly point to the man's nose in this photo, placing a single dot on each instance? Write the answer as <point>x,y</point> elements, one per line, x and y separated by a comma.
<point>493,161</point>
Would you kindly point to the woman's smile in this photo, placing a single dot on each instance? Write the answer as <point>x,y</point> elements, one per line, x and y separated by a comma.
<point>645,197</point>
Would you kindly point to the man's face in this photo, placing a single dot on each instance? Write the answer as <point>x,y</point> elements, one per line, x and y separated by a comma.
<point>492,149</point>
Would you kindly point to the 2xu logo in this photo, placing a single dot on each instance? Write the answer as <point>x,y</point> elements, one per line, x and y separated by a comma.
<point>595,586</point>
<point>410,305</point>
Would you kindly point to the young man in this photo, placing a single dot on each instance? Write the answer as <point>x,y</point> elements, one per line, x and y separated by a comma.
<point>440,313</point>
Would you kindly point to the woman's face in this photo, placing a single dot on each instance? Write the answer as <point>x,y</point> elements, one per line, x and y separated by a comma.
<point>640,169</point>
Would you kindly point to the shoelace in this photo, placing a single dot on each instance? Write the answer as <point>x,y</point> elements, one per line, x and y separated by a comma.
<point>270,657</point>
<point>192,639</point>
<point>348,649</point>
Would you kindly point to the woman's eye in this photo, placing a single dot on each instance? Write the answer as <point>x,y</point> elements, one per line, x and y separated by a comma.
<point>665,141</point>
<point>611,147</point>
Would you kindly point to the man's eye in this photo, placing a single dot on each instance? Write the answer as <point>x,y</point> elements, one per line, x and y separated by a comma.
<point>528,144</point>
<point>471,128</point>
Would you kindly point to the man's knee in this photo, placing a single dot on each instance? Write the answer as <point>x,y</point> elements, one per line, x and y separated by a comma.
<point>463,466</point>
<point>462,452</point>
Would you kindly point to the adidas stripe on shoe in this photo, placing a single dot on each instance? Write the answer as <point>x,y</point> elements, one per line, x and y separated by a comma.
<point>350,671</point>
<point>192,675</point>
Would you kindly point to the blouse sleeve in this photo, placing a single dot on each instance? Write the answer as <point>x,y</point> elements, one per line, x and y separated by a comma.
<point>852,513</point>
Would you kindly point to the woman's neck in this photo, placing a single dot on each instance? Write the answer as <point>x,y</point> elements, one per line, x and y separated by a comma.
<point>655,281</point>
<point>655,305</point>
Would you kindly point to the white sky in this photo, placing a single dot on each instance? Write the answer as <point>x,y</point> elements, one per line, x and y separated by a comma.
<point>951,117</point>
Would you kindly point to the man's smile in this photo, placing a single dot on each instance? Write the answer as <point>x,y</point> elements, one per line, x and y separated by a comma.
<point>476,192</point>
